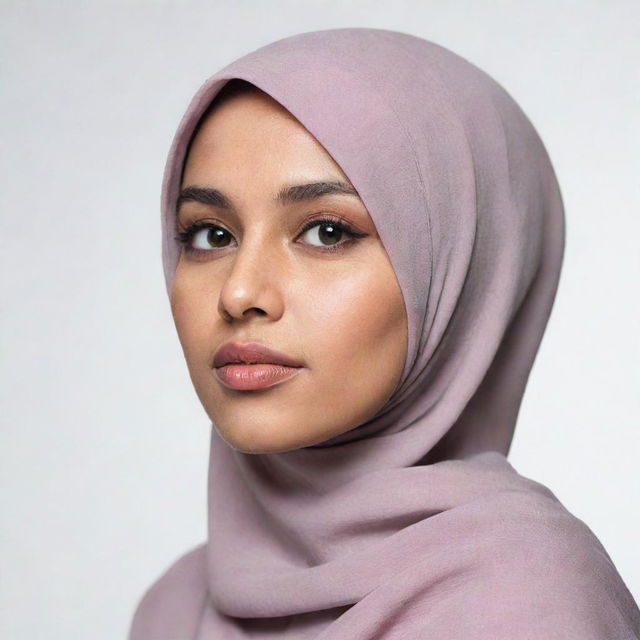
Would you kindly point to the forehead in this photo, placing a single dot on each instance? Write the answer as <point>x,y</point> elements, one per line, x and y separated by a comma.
<point>253,133</point>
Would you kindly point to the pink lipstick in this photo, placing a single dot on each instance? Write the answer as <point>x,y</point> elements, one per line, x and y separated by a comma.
<point>252,366</point>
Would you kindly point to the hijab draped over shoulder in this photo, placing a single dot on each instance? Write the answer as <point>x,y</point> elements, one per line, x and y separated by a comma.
<point>413,524</point>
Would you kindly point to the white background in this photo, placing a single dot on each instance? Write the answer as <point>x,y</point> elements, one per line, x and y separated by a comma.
<point>103,443</point>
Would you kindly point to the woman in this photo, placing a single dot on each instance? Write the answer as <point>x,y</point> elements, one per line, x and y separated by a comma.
<point>383,220</point>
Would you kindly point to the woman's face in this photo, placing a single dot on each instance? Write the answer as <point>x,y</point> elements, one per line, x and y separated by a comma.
<point>281,272</point>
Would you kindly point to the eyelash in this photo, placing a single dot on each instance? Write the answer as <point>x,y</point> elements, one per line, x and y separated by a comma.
<point>185,237</point>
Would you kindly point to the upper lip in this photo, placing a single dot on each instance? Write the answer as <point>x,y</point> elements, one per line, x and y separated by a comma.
<point>251,353</point>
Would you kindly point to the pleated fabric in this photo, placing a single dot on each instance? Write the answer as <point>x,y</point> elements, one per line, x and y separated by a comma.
<point>413,525</point>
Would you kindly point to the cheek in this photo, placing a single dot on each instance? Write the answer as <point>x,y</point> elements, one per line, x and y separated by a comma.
<point>193,309</point>
<point>355,325</point>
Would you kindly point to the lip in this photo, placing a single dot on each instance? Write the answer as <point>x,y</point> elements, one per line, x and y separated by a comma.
<point>244,377</point>
<point>252,365</point>
<point>251,353</point>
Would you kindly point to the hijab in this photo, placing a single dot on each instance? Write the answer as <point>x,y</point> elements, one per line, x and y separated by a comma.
<point>413,524</point>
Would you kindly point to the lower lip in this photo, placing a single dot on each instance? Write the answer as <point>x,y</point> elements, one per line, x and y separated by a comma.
<point>244,377</point>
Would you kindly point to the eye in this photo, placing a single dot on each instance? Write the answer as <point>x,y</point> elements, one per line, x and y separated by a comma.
<point>327,233</point>
<point>204,236</point>
<point>210,236</point>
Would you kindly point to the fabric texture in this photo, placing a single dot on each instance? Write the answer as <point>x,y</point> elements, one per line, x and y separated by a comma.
<point>413,524</point>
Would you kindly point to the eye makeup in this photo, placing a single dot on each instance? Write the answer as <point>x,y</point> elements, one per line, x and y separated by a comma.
<point>187,236</point>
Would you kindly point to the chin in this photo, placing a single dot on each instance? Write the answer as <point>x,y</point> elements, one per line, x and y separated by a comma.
<point>263,439</point>
<point>257,439</point>
<point>253,446</point>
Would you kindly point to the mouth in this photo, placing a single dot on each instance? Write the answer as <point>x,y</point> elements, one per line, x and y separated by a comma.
<point>247,377</point>
<point>252,365</point>
<point>251,353</point>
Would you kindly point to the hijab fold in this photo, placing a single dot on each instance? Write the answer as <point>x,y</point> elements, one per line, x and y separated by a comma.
<point>413,524</point>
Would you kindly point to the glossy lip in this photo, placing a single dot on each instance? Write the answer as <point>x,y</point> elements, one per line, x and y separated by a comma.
<point>251,353</point>
<point>247,377</point>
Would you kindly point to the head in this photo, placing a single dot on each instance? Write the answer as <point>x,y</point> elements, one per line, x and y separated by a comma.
<point>305,275</point>
<point>457,241</point>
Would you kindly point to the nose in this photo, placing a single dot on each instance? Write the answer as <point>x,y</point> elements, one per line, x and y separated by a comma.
<point>253,284</point>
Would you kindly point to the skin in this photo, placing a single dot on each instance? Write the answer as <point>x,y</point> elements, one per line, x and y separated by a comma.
<point>341,313</point>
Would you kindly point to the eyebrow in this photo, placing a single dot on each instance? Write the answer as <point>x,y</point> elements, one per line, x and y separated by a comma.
<point>286,195</point>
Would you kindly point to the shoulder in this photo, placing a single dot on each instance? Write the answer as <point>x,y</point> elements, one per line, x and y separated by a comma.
<point>507,560</point>
<point>171,606</point>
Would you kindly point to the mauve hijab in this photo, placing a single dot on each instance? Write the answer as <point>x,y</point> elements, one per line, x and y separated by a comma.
<point>413,524</point>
